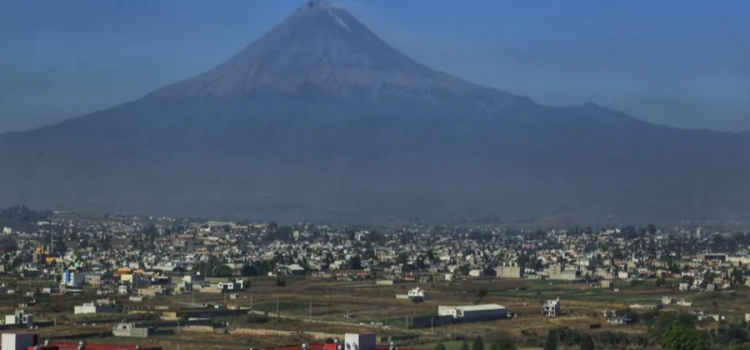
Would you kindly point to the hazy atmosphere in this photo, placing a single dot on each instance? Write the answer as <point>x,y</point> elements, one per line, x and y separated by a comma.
<point>683,64</point>
<point>375,174</point>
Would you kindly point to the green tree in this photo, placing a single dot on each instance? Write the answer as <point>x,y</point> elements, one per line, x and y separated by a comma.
<point>551,343</point>
<point>587,343</point>
<point>249,270</point>
<point>355,263</point>
<point>682,337</point>
<point>465,346</point>
<point>662,324</point>
<point>478,344</point>
<point>502,341</point>
<point>8,244</point>
<point>660,281</point>
<point>440,346</point>
<point>481,293</point>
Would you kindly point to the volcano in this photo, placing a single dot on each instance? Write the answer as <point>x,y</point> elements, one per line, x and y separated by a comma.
<point>321,119</point>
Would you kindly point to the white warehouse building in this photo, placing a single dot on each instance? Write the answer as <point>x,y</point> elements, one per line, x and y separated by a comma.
<point>91,308</point>
<point>484,312</point>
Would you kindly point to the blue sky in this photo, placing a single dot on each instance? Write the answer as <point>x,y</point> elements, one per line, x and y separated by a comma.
<point>683,63</point>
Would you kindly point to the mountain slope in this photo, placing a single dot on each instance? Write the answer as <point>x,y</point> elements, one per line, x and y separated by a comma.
<point>321,119</point>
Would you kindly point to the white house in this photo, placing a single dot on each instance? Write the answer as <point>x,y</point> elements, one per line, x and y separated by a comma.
<point>19,317</point>
<point>237,285</point>
<point>551,308</point>
<point>123,289</point>
<point>418,293</point>
<point>91,308</point>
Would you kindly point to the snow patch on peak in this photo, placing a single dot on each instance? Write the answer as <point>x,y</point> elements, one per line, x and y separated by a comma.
<point>339,21</point>
<point>342,23</point>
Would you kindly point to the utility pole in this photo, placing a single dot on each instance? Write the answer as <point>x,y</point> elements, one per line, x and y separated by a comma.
<point>310,310</point>
<point>278,316</point>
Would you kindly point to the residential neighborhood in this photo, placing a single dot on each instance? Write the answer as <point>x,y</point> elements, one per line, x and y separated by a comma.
<point>188,274</point>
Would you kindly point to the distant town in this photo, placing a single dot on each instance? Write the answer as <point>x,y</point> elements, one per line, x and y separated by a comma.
<point>178,282</point>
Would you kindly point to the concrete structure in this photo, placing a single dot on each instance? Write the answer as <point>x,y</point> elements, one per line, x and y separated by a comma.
<point>290,270</point>
<point>130,330</point>
<point>123,289</point>
<point>163,290</point>
<point>366,341</point>
<point>551,308</point>
<point>418,293</point>
<point>509,272</point>
<point>605,284</point>
<point>20,317</point>
<point>569,275</point>
<point>237,285</point>
<point>471,313</point>
<point>620,321</point>
<point>91,308</point>
<point>554,271</point>
<point>74,279</point>
<point>20,341</point>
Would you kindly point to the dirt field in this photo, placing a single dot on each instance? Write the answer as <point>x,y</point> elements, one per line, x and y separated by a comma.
<point>324,305</point>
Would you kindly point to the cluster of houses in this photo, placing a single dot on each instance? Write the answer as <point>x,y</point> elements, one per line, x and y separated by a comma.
<point>160,256</point>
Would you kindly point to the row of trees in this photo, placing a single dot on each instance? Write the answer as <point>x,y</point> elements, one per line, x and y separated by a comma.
<point>499,341</point>
<point>667,330</point>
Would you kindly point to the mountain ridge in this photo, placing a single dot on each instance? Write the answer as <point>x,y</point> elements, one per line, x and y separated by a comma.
<point>319,120</point>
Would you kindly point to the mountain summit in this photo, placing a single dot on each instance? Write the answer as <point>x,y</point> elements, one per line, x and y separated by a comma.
<point>324,49</point>
<point>321,119</point>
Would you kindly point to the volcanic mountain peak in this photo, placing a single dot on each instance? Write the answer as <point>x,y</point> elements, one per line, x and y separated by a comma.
<point>323,48</point>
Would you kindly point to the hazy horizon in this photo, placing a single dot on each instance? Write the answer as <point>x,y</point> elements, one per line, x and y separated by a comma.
<point>683,68</point>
